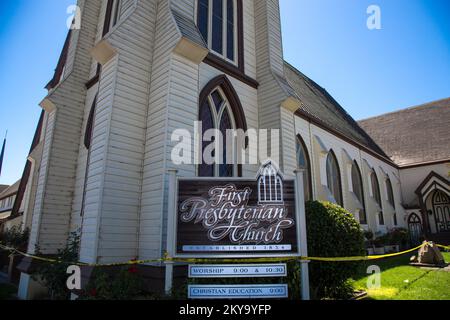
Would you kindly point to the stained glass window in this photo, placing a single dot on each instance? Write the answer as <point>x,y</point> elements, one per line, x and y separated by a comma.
<point>216,20</point>
<point>216,113</point>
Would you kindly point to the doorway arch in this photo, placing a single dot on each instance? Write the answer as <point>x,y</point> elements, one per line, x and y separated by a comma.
<point>441,209</point>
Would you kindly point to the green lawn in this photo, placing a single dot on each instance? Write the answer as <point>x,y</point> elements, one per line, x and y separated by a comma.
<point>399,281</point>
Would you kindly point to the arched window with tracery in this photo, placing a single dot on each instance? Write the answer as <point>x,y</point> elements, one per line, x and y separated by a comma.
<point>334,178</point>
<point>270,186</point>
<point>220,109</point>
<point>304,163</point>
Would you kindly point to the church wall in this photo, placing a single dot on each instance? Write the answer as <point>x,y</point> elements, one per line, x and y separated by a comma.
<point>145,93</point>
<point>384,171</point>
<point>319,142</point>
<point>77,202</point>
<point>153,180</point>
<point>411,179</point>
<point>65,107</point>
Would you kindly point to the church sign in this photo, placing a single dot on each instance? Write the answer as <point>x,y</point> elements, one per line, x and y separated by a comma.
<point>238,271</point>
<point>261,291</point>
<point>237,217</point>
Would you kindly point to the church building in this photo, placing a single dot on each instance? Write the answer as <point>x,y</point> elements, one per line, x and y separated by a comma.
<point>139,70</point>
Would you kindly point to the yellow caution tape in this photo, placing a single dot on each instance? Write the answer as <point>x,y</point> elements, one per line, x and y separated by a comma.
<point>131,262</point>
<point>166,258</point>
<point>443,247</point>
<point>377,257</point>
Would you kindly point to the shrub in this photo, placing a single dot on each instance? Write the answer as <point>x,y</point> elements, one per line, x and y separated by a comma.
<point>54,275</point>
<point>126,284</point>
<point>399,236</point>
<point>15,237</point>
<point>368,235</point>
<point>381,241</point>
<point>332,232</point>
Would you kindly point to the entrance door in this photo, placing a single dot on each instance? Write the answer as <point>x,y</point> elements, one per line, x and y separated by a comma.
<point>441,208</point>
<point>415,228</point>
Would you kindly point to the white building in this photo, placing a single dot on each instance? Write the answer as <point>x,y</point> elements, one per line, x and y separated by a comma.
<point>138,70</point>
<point>7,199</point>
<point>418,140</point>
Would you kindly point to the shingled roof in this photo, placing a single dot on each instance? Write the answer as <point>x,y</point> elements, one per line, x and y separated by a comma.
<point>10,190</point>
<point>318,104</point>
<point>3,187</point>
<point>415,135</point>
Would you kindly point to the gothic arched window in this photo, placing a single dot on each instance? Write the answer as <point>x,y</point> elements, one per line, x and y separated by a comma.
<point>303,163</point>
<point>270,186</point>
<point>377,195</point>
<point>391,200</point>
<point>220,109</point>
<point>358,190</point>
<point>390,192</point>
<point>415,228</point>
<point>217,21</point>
<point>334,178</point>
<point>90,125</point>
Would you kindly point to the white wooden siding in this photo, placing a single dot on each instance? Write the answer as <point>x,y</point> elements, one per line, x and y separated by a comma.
<point>53,203</point>
<point>151,215</point>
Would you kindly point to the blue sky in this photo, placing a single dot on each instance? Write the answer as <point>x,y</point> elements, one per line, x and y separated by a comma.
<point>370,72</point>
<point>406,63</point>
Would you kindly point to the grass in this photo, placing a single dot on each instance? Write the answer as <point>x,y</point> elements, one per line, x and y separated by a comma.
<point>7,291</point>
<point>400,281</point>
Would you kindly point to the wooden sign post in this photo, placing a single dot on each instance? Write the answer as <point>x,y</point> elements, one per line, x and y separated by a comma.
<point>301,214</point>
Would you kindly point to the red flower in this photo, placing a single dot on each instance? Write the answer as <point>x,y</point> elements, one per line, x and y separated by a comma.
<point>133,269</point>
<point>93,292</point>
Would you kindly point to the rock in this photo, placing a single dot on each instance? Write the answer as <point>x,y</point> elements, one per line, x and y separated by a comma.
<point>430,254</point>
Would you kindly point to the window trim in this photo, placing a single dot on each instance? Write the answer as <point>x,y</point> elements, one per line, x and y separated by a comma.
<point>238,31</point>
<point>112,16</point>
<point>224,54</point>
<point>234,70</point>
<point>117,10</point>
<point>234,105</point>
